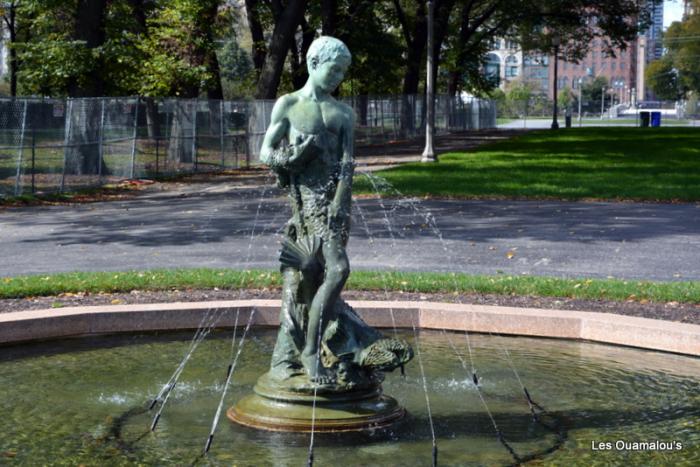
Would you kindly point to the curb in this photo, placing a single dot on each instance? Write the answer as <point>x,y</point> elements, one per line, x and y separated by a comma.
<point>681,338</point>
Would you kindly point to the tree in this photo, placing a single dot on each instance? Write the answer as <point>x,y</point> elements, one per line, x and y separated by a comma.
<point>236,69</point>
<point>9,17</point>
<point>180,53</point>
<point>533,24</point>
<point>518,96</point>
<point>592,92</point>
<point>683,50</point>
<point>566,98</point>
<point>662,78</point>
<point>288,19</point>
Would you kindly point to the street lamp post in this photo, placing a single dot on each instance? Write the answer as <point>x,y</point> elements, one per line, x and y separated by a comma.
<point>429,152</point>
<point>555,111</point>
<point>602,102</point>
<point>580,84</point>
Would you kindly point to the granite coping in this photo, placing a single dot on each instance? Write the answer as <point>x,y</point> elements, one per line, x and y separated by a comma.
<point>682,338</point>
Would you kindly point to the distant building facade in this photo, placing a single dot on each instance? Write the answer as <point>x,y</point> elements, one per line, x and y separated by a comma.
<point>619,68</point>
<point>504,61</point>
<point>623,69</point>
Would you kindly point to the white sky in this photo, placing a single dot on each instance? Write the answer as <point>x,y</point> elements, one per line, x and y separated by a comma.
<point>673,11</point>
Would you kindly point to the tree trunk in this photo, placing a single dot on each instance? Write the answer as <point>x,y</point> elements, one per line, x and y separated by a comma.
<point>443,10</point>
<point>362,102</point>
<point>282,35</point>
<point>152,118</point>
<point>82,153</point>
<point>181,133</point>
<point>416,38</point>
<point>329,17</point>
<point>300,73</point>
<point>210,60</point>
<point>12,29</point>
<point>256,32</point>
<point>90,27</point>
<point>212,63</point>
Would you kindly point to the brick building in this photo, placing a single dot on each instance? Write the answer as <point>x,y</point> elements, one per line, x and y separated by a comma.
<point>620,70</point>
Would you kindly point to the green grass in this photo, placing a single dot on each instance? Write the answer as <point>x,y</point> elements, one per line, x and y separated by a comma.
<point>661,164</point>
<point>605,289</point>
<point>504,120</point>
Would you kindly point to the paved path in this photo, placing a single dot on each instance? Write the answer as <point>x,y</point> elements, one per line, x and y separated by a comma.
<point>220,225</point>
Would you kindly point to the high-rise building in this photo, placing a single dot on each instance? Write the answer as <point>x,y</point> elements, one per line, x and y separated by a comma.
<point>654,46</point>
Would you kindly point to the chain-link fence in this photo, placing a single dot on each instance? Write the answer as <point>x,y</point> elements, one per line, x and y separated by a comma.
<point>54,145</point>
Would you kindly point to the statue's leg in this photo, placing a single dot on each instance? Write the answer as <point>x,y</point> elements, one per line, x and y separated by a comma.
<point>290,338</point>
<point>337,270</point>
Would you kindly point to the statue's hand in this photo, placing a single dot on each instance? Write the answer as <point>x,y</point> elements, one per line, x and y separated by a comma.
<point>303,150</point>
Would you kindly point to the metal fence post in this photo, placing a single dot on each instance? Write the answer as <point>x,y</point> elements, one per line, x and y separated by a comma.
<point>66,141</point>
<point>18,179</point>
<point>221,133</point>
<point>100,147</point>
<point>194,134</point>
<point>133,139</point>
<point>33,157</point>
<point>381,102</point>
<point>247,136</point>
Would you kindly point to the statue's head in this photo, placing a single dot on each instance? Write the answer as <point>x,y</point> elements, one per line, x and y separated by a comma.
<point>327,60</point>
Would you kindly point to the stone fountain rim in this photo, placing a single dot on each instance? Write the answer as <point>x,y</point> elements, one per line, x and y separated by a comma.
<point>606,328</point>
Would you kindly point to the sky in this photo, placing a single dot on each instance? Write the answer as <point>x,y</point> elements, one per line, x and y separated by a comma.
<point>673,11</point>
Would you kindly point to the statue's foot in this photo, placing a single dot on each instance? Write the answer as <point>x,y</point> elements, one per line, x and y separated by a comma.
<point>323,380</point>
<point>283,372</point>
<point>317,373</point>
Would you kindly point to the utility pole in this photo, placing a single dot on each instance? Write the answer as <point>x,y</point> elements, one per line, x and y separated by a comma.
<point>429,152</point>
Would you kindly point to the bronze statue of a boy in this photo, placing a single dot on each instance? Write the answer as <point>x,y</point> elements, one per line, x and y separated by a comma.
<point>309,144</point>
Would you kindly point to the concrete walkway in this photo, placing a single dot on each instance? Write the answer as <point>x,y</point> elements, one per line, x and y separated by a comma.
<point>227,226</point>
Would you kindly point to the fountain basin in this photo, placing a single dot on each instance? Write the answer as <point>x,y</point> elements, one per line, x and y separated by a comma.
<point>606,328</point>
<point>84,401</point>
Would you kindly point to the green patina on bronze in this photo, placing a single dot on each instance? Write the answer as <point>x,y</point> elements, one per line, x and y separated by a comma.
<point>323,346</point>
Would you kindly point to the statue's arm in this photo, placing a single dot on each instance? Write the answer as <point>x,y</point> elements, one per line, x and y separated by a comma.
<point>342,200</point>
<point>291,156</point>
<point>279,126</point>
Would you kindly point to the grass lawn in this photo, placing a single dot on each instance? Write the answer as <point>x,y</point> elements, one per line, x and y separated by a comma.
<point>606,289</point>
<point>660,164</point>
<point>504,120</point>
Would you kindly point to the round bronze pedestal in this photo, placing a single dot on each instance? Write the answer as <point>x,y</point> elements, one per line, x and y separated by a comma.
<point>276,409</point>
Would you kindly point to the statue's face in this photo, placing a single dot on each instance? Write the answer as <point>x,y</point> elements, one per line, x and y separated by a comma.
<point>328,75</point>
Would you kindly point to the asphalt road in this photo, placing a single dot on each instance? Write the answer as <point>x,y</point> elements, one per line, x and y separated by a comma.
<point>218,225</point>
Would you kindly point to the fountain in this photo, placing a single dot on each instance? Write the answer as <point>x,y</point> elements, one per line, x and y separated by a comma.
<point>480,396</point>
<point>327,366</point>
